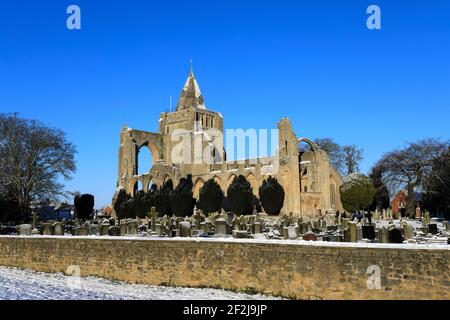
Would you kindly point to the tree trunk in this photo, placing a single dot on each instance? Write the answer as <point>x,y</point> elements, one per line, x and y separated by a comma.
<point>410,204</point>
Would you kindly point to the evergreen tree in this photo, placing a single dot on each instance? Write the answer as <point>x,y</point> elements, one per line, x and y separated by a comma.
<point>211,196</point>
<point>357,192</point>
<point>181,198</point>
<point>84,206</point>
<point>240,196</point>
<point>119,204</point>
<point>161,199</point>
<point>271,194</point>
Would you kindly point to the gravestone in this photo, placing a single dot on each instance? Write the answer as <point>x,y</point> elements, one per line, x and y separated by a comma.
<point>185,229</point>
<point>103,228</point>
<point>153,217</point>
<point>368,232</point>
<point>132,228</point>
<point>47,229</point>
<point>408,231</point>
<point>359,234</point>
<point>230,218</point>
<point>220,226</point>
<point>292,232</point>
<point>114,231</point>
<point>241,234</point>
<point>93,230</point>
<point>203,227</point>
<point>383,235</point>
<point>25,229</point>
<point>81,231</point>
<point>58,228</point>
<point>395,236</point>
<point>303,228</point>
<point>159,229</point>
<point>352,230</point>
<point>344,223</point>
<point>310,236</point>
<point>432,228</point>
<point>257,227</point>
<point>332,228</point>
<point>285,232</point>
<point>123,229</point>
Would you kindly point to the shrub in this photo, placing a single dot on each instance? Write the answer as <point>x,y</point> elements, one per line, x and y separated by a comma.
<point>240,196</point>
<point>181,200</point>
<point>357,192</point>
<point>84,205</point>
<point>271,194</point>
<point>119,203</point>
<point>211,196</point>
<point>161,199</point>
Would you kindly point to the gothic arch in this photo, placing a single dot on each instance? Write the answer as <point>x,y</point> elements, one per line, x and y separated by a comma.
<point>197,186</point>
<point>312,144</point>
<point>219,181</point>
<point>254,183</point>
<point>229,181</point>
<point>309,171</point>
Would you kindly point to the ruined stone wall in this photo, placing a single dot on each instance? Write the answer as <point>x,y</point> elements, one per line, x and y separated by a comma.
<point>307,271</point>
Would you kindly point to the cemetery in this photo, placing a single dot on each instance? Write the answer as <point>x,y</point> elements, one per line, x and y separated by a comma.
<point>382,228</point>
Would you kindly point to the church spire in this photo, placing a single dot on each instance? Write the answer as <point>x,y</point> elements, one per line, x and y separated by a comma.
<point>191,96</point>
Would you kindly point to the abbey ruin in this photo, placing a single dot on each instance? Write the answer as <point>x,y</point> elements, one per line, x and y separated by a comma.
<point>311,184</point>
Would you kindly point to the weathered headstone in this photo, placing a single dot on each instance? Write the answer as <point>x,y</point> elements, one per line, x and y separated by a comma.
<point>114,231</point>
<point>368,232</point>
<point>47,229</point>
<point>220,226</point>
<point>132,228</point>
<point>432,228</point>
<point>159,229</point>
<point>310,236</point>
<point>93,229</point>
<point>81,231</point>
<point>395,236</point>
<point>359,234</point>
<point>292,232</point>
<point>25,229</point>
<point>383,235</point>
<point>103,228</point>
<point>153,217</point>
<point>352,231</point>
<point>303,228</point>
<point>58,228</point>
<point>285,232</point>
<point>123,228</point>
<point>408,231</point>
<point>185,229</point>
<point>257,227</point>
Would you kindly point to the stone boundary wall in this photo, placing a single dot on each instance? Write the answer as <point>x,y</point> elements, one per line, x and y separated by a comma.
<point>301,271</point>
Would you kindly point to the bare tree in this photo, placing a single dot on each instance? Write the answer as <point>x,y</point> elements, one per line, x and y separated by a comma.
<point>334,152</point>
<point>345,159</point>
<point>352,156</point>
<point>408,167</point>
<point>32,158</point>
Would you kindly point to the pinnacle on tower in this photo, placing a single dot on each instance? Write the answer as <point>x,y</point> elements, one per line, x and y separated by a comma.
<point>191,96</point>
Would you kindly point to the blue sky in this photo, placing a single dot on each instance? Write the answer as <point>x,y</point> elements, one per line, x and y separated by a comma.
<point>256,61</point>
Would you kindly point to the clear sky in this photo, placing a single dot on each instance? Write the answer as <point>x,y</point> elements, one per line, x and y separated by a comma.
<point>256,61</point>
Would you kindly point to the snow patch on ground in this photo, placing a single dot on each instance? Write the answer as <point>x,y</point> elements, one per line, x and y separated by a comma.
<point>17,284</point>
